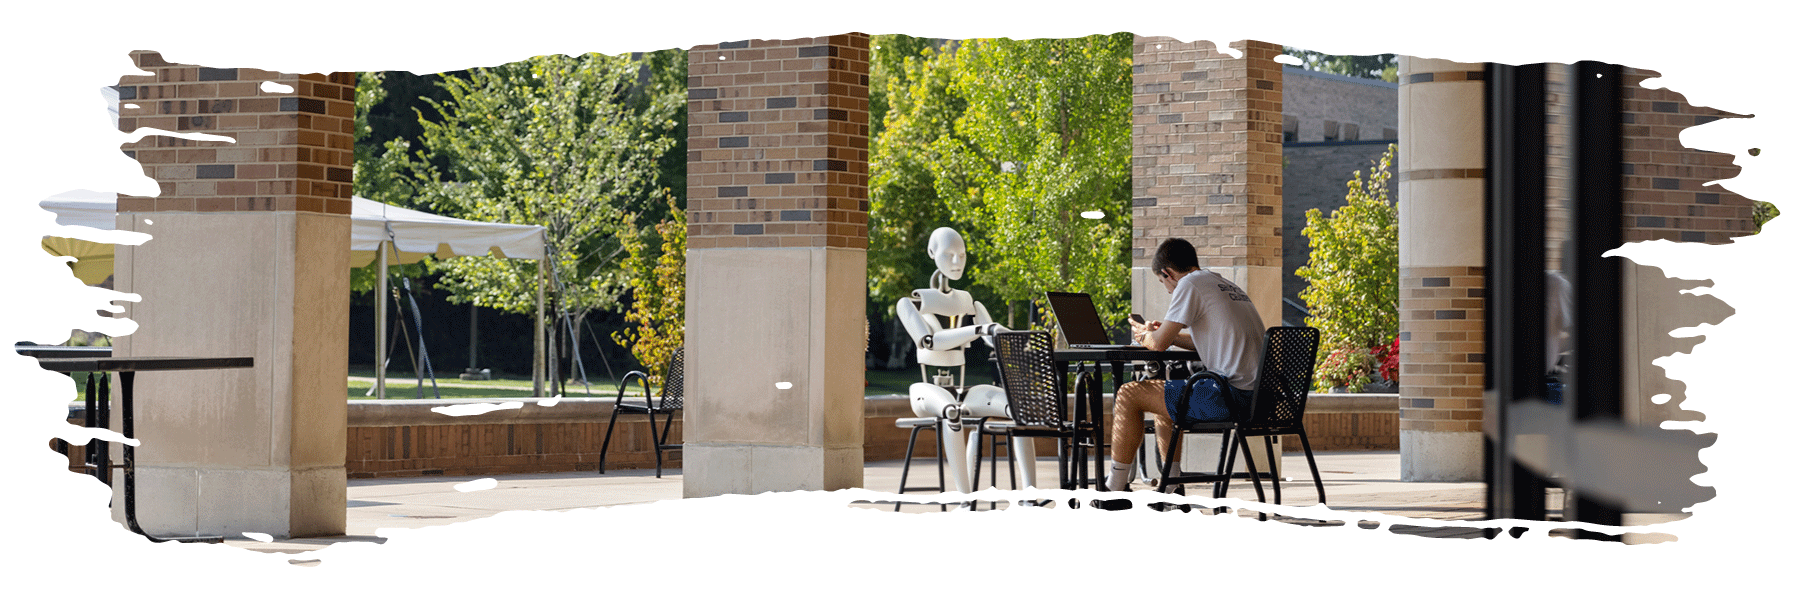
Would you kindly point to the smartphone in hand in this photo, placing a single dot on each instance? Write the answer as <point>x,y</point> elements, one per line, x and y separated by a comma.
<point>1137,318</point>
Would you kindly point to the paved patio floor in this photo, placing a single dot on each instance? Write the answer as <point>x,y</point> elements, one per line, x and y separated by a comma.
<point>1354,481</point>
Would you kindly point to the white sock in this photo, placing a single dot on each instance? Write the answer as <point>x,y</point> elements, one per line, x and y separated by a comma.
<point>1119,479</point>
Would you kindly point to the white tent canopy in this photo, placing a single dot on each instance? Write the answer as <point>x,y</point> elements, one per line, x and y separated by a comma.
<point>413,234</point>
<point>416,234</point>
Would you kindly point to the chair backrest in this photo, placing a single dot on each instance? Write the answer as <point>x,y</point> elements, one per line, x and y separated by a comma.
<point>673,379</point>
<point>1034,396</point>
<point>1285,377</point>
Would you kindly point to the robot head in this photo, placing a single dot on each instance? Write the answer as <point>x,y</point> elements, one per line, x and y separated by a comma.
<point>947,249</point>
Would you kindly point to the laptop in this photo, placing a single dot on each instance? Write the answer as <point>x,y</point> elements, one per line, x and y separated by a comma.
<point>1080,323</point>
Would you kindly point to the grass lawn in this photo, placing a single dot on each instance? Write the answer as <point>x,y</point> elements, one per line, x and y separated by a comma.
<point>404,385</point>
<point>882,383</point>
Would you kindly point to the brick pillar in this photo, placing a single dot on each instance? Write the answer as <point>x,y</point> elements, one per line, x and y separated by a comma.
<point>250,243</point>
<point>777,264</point>
<point>1441,179</point>
<point>1206,167</point>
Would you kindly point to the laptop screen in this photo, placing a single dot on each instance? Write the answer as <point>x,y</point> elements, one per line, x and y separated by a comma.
<point>1076,316</point>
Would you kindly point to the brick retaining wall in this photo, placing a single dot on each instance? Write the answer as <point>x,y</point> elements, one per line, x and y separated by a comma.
<point>399,438</point>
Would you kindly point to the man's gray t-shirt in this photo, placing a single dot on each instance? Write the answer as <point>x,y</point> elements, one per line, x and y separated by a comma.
<point>1226,329</point>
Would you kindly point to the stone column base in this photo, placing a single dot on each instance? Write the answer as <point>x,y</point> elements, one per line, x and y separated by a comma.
<point>1440,456</point>
<point>190,501</point>
<point>712,469</point>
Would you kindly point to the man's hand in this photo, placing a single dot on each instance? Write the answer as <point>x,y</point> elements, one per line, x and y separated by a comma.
<point>1141,331</point>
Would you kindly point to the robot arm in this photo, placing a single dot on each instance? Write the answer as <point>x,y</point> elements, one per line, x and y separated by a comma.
<point>917,325</point>
<point>925,332</point>
<point>982,318</point>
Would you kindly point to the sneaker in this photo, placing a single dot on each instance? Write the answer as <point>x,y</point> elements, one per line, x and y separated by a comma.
<point>1111,504</point>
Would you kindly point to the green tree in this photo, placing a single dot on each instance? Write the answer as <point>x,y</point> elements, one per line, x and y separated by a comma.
<point>572,143</point>
<point>1042,147</point>
<point>380,163</point>
<point>904,207</point>
<point>1385,67</point>
<point>1761,212</point>
<point>1353,277</point>
<point>658,291</point>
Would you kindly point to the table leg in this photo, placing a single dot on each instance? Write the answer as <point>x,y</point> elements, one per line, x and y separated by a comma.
<point>1097,406</point>
<point>127,411</point>
<point>99,415</point>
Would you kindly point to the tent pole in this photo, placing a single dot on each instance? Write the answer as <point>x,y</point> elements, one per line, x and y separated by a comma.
<point>381,327</point>
<point>537,336</point>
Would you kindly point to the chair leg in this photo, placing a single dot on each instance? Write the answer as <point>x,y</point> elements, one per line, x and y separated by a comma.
<point>1314,465</point>
<point>1012,462</point>
<point>906,465</point>
<point>1227,462</point>
<point>1062,464</point>
<point>1168,460</point>
<point>1255,476</point>
<point>1274,466</point>
<point>975,465</point>
<point>937,449</point>
<point>608,441</point>
<point>662,440</point>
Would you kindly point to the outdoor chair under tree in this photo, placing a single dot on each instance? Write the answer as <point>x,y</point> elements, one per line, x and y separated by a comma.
<point>1278,408</point>
<point>667,404</point>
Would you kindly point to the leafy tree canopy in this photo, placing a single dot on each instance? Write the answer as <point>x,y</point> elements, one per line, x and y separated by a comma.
<point>1011,142</point>
<point>570,143</point>
<point>1353,277</point>
<point>1385,67</point>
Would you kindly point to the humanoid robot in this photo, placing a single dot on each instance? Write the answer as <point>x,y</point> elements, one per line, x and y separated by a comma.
<point>942,322</point>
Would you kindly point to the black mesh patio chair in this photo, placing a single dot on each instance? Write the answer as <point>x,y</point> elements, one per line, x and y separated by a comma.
<point>668,404</point>
<point>1035,398</point>
<point>1277,408</point>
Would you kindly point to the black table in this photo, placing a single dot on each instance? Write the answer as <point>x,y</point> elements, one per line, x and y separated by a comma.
<point>98,411</point>
<point>1090,407</point>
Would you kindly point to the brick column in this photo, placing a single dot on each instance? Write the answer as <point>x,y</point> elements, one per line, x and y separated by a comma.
<point>777,264</point>
<point>250,243</point>
<point>1206,167</point>
<point>1441,175</point>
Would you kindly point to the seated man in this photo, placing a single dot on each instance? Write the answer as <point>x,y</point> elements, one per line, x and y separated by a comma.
<point>1207,314</point>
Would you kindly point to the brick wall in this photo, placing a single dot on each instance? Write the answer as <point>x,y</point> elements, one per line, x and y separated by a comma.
<point>778,151</point>
<point>293,149</point>
<point>1665,193</point>
<point>384,442</point>
<point>1310,98</point>
<point>1206,151</point>
<point>494,448</point>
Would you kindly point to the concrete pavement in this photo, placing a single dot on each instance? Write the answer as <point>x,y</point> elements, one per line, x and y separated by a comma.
<point>1356,481</point>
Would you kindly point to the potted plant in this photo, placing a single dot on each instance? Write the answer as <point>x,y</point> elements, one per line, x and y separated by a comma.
<point>1345,369</point>
<point>1387,368</point>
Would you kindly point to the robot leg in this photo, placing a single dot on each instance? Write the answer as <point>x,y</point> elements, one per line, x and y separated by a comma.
<point>932,401</point>
<point>990,401</point>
